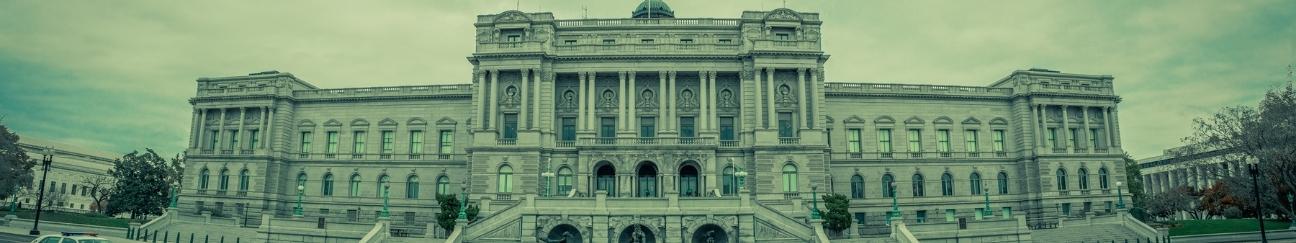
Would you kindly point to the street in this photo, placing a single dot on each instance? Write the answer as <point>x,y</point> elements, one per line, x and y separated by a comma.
<point>9,237</point>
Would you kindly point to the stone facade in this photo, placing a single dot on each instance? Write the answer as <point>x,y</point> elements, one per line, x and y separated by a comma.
<point>67,189</point>
<point>633,128</point>
<point>1190,168</point>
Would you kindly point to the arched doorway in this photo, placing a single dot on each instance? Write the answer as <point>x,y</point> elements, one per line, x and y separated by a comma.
<point>710,233</point>
<point>646,181</point>
<point>564,233</point>
<point>637,234</point>
<point>688,186</point>
<point>605,178</point>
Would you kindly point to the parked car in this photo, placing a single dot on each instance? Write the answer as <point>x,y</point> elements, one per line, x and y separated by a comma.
<point>72,237</point>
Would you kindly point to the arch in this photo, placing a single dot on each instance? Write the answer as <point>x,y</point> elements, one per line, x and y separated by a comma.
<point>1103,178</point>
<point>914,120</point>
<point>202,178</point>
<point>412,187</point>
<point>360,122</point>
<point>383,185</point>
<point>222,181</point>
<point>947,184</point>
<point>504,178</point>
<point>443,185</point>
<point>387,122</point>
<point>326,184</point>
<point>888,185</point>
<point>1003,183</point>
<point>975,181</point>
<point>305,123</point>
<point>565,180</point>
<point>857,186</point>
<point>690,180</point>
<point>1082,178</point>
<point>301,182</point>
<point>564,233</point>
<point>790,177</point>
<point>637,233</point>
<point>244,179</point>
<point>605,178</point>
<point>1061,179</point>
<point>710,233</point>
<point>332,123</point>
<point>729,180</point>
<point>918,188</point>
<point>646,179</point>
<point>355,185</point>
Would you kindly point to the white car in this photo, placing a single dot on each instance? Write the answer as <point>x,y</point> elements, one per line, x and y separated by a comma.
<point>72,237</point>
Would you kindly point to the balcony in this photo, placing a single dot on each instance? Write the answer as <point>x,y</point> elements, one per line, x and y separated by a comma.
<point>357,156</point>
<point>303,156</point>
<point>789,140</point>
<point>583,142</point>
<point>787,45</point>
<point>507,46</point>
<point>565,143</point>
<point>918,155</point>
<point>729,143</point>
<point>791,195</point>
<point>206,151</point>
<point>443,156</point>
<point>227,151</point>
<point>245,151</point>
<point>385,156</point>
<point>660,22</point>
<point>506,141</point>
<point>1059,150</point>
<point>415,156</point>
<point>1101,150</point>
<point>915,155</point>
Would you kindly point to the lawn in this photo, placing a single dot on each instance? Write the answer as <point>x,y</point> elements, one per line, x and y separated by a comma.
<point>1197,227</point>
<point>75,218</point>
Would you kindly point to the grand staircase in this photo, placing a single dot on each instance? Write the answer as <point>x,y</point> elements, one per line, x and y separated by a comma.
<point>1087,233</point>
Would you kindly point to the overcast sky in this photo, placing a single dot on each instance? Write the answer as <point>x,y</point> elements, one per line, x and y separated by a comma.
<point>117,75</point>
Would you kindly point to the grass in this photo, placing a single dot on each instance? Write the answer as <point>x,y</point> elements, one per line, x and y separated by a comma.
<point>75,218</point>
<point>1198,227</point>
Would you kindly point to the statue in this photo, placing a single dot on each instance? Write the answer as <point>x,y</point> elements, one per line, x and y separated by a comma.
<point>710,236</point>
<point>638,235</point>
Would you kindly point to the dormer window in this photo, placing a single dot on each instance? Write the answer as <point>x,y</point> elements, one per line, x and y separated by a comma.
<point>646,41</point>
<point>783,33</point>
<point>609,41</point>
<point>512,35</point>
<point>686,41</point>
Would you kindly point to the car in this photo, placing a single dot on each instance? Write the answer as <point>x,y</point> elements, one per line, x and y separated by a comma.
<point>72,237</point>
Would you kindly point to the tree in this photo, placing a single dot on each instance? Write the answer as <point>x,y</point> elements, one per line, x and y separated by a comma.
<point>100,188</point>
<point>15,165</point>
<point>1134,185</point>
<point>1166,204</point>
<point>1265,135</point>
<point>450,211</point>
<point>54,200</point>
<point>838,216</point>
<point>143,184</point>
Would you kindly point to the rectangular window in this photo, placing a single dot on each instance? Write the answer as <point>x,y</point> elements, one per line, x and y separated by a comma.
<point>645,41</point>
<point>358,142</point>
<point>416,142</point>
<point>569,42</point>
<point>332,142</point>
<point>234,139</point>
<point>950,215</point>
<point>388,138</point>
<point>607,127</point>
<point>1093,138</point>
<point>647,127</point>
<point>1007,212</point>
<point>215,139</point>
<point>254,139</point>
<point>1075,138</point>
<point>447,142</point>
<point>884,140</point>
<point>999,141</point>
<point>1066,209</point>
<point>568,129</point>
<point>915,140</point>
<point>686,41</point>
<point>943,140</point>
<point>609,41</point>
<point>1052,137</point>
<point>305,143</point>
<point>971,138</point>
<point>783,36</point>
<point>514,38</point>
<point>785,125</point>
<point>727,129</point>
<point>922,216</point>
<point>510,126</point>
<point>725,41</point>
<point>853,144</point>
<point>686,127</point>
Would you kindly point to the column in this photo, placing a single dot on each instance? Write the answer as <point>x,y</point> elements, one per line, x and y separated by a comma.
<point>1043,126</point>
<point>661,100</point>
<point>270,127</point>
<point>1034,120</point>
<point>202,128</point>
<point>591,96</point>
<point>814,98</point>
<point>220,131</point>
<point>481,97</point>
<point>494,102</point>
<point>535,107</point>
<point>804,95</point>
<point>622,109</point>
<point>1084,119</point>
<point>633,118</point>
<point>704,118</point>
<point>773,93</point>
<point>265,126</point>
<point>673,113</point>
<point>241,133</point>
<point>193,129</point>
<point>756,99</point>
<point>1065,135</point>
<point>1107,123</point>
<point>580,106</point>
<point>526,88</point>
<point>713,117</point>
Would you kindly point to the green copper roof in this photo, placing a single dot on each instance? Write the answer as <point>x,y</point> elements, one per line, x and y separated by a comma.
<point>653,9</point>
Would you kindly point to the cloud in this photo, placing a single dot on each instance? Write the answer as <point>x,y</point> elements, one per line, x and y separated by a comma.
<point>117,75</point>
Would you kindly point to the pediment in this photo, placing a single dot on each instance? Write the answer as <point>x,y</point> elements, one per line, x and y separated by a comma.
<point>971,121</point>
<point>446,121</point>
<point>854,119</point>
<point>305,123</point>
<point>999,121</point>
<point>387,122</point>
<point>359,123</point>
<point>914,120</point>
<point>332,123</point>
<point>884,120</point>
<point>943,120</point>
<point>416,122</point>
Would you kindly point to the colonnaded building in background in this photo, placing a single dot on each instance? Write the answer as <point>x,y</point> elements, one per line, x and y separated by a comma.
<point>651,128</point>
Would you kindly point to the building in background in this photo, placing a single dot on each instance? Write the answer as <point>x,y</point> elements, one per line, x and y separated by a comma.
<point>67,189</point>
<point>1185,167</point>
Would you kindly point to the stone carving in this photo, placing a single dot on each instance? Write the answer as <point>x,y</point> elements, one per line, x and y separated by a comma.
<point>512,16</point>
<point>765,230</point>
<point>568,100</point>
<point>783,14</point>
<point>510,97</point>
<point>647,99</point>
<point>785,95</point>
<point>727,99</point>
<point>608,99</point>
<point>687,100</point>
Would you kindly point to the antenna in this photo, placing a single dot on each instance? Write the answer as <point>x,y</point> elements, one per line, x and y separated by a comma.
<point>784,3</point>
<point>517,5</point>
<point>583,8</point>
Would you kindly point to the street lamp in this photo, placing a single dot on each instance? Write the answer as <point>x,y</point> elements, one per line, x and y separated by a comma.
<point>46,160</point>
<point>814,200</point>
<point>895,205</point>
<point>988,212</point>
<point>386,196</point>
<point>463,206</point>
<point>742,176</point>
<point>297,211</point>
<point>1120,198</point>
<point>1255,188</point>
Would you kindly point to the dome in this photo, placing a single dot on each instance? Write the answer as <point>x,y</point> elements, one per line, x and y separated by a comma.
<point>653,9</point>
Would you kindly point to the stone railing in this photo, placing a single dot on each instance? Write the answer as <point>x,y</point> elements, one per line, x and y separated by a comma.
<point>377,156</point>
<point>901,233</point>
<point>646,49</point>
<point>787,45</point>
<point>669,141</point>
<point>509,46</point>
<point>915,89</point>
<point>923,155</point>
<point>661,22</point>
<point>458,89</point>
<point>379,233</point>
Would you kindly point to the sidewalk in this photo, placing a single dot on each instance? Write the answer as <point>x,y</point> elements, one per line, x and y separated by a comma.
<point>23,227</point>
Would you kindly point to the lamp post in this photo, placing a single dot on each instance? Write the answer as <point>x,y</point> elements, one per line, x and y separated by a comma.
<point>386,196</point>
<point>814,200</point>
<point>1120,198</point>
<point>986,192</point>
<point>742,176</point>
<point>463,206</point>
<point>175,197</point>
<point>45,164</point>
<point>1255,188</point>
<point>895,205</point>
<point>298,211</point>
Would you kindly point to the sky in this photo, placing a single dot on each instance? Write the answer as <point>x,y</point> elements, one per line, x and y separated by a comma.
<point>117,75</point>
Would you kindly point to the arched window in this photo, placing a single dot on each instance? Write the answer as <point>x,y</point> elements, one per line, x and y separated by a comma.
<point>355,185</point>
<point>918,189</point>
<point>301,182</point>
<point>975,180</point>
<point>564,180</point>
<point>947,184</point>
<point>1003,183</point>
<point>1102,178</point>
<point>326,185</point>
<point>729,181</point>
<point>505,179</point>
<point>1061,179</point>
<point>689,181</point>
<point>202,179</point>
<point>888,185</point>
<point>244,178</point>
<point>384,183</point>
<point>789,178</point>
<point>223,180</point>
<point>412,187</point>
<point>605,179</point>
<point>857,187</point>
<point>443,185</point>
<point>646,181</point>
<point>1083,178</point>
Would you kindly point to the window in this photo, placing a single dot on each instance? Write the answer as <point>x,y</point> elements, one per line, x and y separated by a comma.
<point>729,181</point>
<point>645,41</point>
<point>1003,183</point>
<point>355,185</point>
<point>222,181</point>
<point>853,144</point>
<point>505,177</point>
<point>686,127</point>
<point>358,144</point>
<point>943,140</point>
<point>234,139</point>
<point>609,41</point>
<point>412,187</point>
<point>244,178</point>
<point>915,140</point>
<point>789,178</point>
<point>416,143</point>
<point>569,129</point>
<point>254,139</point>
<point>215,139</point>
<point>1082,176</point>
<point>785,125</point>
<point>857,187</point>
<point>970,136</point>
<point>1066,209</point>
<point>947,185</point>
<point>443,186</point>
<point>1061,180</point>
<point>513,38</point>
<point>686,41</point>
<point>202,180</point>
<point>1093,138</point>
<point>949,215</point>
<point>918,189</point>
<point>388,137</point>
<point>725,41</point>
<point>888,186</point>
<point>1075,138</point>
<point>647,127</point>
<point>564,180</point>
<point>332,143</point>
<point>384,186</point>
<point>1102,178</point>
<point>999,141</point>
<point>1052,137</point>
<point>975,180</point>
<point>921,216</point>
<point>305,143</point>
<point>727,129</point>
<point>447,142</point>
<point>569,42</point>
<point>884,140</point>
<point>510,126</point>
<point>326,185</point>
<point>607,127</point>
<point>783,36</point>
<point>1007,212</point>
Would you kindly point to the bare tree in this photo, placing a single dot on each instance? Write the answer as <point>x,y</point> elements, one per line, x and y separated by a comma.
<point>1265,134</point>
<point>100,187</point>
